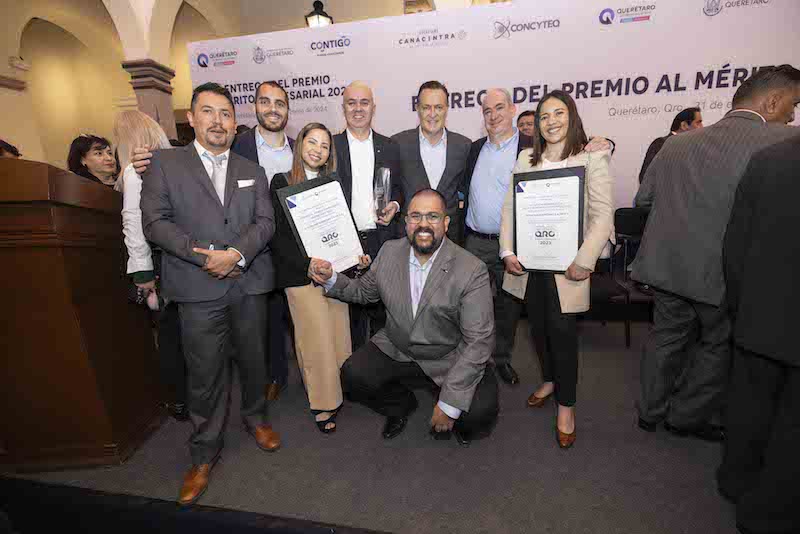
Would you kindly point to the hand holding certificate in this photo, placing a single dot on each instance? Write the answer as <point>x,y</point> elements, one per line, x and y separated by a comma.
<point>322,222</point>
<point>548,218</point>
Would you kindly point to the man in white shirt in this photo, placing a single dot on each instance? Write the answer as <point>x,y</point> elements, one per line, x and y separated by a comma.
<point>363,158</point>
<point>434,157</point>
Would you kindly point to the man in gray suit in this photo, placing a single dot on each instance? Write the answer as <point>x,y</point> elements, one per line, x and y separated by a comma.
<point>210,211</point>
<point>690,187</point>
<point>432,156</point>
<point>439,331</point>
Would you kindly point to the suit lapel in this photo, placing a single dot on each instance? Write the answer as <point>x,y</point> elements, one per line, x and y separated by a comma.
<point>198,171</point>
<point>420,165</point>
<point>439,273</point>
<point>230,179</point>
<point>401,263</point>
<point>377,146</point>
<point>449,164</point>
<point>346,172</point>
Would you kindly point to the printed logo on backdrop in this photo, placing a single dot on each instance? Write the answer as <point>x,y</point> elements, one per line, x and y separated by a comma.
<point>426,37</point>
<point>224,58</point>
<point>627,14</point>
<point>715,7</point>
<point>712,7</point>
<point>330,47</point>
<point>503,28</point>
<point>261,55</point>
<point>607,16</point>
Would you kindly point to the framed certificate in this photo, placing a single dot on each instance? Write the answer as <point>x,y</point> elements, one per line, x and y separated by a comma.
<point>321,222</point>
<point>548,218</point>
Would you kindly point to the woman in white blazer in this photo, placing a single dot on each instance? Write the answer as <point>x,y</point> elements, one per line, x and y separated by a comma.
<point>553,300</point>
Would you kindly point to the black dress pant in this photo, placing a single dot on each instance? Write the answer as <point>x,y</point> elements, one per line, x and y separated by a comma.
<point>279,332</point>
<point>385,385</point>
<point>686,362</point>
<point>760,467</point>
<point>506,307</point>
<point>555,336</point>
<point>216,334</point>
<point>170,354</point>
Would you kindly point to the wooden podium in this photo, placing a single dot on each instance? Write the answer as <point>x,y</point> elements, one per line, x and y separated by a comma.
<point>79,380</point>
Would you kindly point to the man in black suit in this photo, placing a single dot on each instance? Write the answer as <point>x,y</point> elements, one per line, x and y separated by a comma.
<point>361,155</point>
<point>268,145</point>
<point>760,468</point>
<point>433,157</point>
<point>687,120</point>
<point>210,212</point>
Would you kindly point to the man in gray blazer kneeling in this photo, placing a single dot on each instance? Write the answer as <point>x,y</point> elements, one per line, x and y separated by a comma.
<point>439,331</point>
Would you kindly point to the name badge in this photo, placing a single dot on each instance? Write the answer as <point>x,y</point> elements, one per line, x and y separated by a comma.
<point>246,183</point>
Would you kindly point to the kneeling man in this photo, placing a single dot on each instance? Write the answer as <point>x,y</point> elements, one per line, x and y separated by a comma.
<point>439,330</point>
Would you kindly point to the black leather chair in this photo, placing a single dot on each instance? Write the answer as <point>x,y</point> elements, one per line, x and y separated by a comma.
<point>629,225</point>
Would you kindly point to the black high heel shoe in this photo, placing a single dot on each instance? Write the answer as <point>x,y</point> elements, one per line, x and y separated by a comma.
<point>321,425</point>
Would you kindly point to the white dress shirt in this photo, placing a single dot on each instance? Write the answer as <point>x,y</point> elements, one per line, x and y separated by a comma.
<point>273,160</point>
<point>362,165</point>
<point>417,276</point>
<point>434,157</point>
<point>209,167</point>
<point>140,257</point>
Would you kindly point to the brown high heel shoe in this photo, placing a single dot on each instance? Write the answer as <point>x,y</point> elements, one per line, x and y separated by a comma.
<point>565,441</point>
<point>537,402</point>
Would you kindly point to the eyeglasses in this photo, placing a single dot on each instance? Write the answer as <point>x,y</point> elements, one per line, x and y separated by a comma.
<point>432,217</point>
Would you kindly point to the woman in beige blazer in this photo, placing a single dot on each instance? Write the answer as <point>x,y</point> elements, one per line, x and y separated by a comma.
<point>553,300</point>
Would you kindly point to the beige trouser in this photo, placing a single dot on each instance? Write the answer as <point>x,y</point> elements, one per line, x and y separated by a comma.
<point>322,343</point>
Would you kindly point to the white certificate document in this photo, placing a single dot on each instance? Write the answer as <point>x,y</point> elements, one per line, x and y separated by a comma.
<point>322,221</point>
<point>547,221</point>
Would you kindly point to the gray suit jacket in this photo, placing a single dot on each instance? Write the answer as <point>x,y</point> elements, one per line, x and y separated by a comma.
<point>690,187</point>
<point>452,335</point>
<point>414,176</point>
<point>181,210</point>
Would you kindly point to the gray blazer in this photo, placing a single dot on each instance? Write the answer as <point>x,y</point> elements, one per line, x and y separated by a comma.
<point>690,187</point>
<point>181,210</point>
<point>414,176</point>
<point>452,335</point>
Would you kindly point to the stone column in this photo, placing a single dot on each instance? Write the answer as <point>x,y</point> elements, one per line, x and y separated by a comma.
<point>151,83</point>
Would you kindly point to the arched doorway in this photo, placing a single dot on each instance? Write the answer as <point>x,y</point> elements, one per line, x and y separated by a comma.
<point>75,87</point>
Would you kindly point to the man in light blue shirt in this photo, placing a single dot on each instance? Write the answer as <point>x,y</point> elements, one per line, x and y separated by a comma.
<point>439,331</point>
<point>490,168</point>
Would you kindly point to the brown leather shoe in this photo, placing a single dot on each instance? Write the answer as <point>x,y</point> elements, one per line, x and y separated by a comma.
<point>266,438</point>
<point>565,441</point>
<point>537,402</point>
<point>195,483</point>
<point>273,391</point>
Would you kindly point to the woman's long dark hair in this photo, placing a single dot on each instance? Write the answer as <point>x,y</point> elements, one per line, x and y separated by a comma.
<point>576,137</point>
<point>81,146</point>
<point>298,172</point>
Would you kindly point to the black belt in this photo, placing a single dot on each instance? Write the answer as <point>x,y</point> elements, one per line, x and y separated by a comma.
<point>488,237</point>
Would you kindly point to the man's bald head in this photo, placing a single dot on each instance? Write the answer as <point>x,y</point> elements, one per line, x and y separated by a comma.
<point>359,107</point>
<point>429,196</point>
<point>498,111</point>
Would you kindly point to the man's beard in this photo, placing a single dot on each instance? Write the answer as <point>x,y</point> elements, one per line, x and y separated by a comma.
<point>263,123</point>
<point>435,242</point>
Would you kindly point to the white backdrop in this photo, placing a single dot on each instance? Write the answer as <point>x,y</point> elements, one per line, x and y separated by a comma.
<point>632,65</point>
